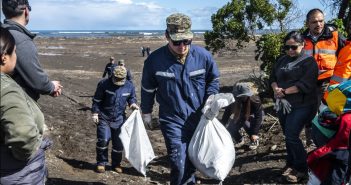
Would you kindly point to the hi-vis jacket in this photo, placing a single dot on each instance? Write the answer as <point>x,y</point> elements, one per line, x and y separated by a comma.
<point>324,50</point>
<point>342,70</point>
<point>110,101</point>
<point>180,89</point>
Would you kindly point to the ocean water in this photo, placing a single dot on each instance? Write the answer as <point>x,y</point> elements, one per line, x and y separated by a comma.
<point>103,33</point>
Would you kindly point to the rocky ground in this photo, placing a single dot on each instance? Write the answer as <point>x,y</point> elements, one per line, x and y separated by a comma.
<point>78,63</point>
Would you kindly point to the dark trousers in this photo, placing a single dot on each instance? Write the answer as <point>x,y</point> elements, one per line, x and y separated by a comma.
<point>252,129</point>
<point>292,125</point>
<point>105,133</point>
<point>34,171</point>
<point>182,170</point>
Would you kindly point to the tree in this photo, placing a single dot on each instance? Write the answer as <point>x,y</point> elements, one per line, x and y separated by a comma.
<point>343,7</point>
<point>239,20</point>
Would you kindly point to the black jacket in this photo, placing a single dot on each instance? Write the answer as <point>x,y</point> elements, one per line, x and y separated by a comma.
<point>303,75</point>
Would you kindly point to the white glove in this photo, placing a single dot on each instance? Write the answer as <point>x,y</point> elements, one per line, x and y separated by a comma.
<point>95,118</point>
<point>282,104</point>
<point>134,106</point>
<point>215,102</point>
<point>209,114</point>
<point>147,121</point>
<point>286,106</point>
<point>247,123</point>
<point>277,105</point>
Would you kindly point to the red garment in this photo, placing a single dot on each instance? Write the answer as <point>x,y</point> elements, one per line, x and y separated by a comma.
<point>319,160</point>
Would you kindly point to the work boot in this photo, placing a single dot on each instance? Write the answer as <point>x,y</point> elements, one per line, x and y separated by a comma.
<point>295,176</point>
<point>286,170</point>
<point>254,144</point>
<point>100,169</point>
<point>118,169</point>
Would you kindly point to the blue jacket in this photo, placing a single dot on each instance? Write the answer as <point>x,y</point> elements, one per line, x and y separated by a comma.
<point>180,89</point>
<point>109,69</point>
<point>110,101</point>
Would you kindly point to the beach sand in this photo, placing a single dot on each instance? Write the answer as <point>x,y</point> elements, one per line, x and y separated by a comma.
<point>79,63</point>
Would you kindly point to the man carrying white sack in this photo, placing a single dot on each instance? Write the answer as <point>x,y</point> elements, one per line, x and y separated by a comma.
<point>108,112</point>
<point>181,76</point>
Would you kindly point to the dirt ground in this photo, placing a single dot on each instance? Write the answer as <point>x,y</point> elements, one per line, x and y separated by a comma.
<point>78,63</point>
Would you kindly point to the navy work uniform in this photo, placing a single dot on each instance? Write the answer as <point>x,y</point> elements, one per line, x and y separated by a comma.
<point>110,101</point>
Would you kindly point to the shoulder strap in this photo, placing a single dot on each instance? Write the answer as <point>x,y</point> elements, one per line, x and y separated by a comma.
<point>297,61</point>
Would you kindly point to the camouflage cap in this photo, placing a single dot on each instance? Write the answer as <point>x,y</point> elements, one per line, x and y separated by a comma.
<point>120,74</point>
<point>179,27</point>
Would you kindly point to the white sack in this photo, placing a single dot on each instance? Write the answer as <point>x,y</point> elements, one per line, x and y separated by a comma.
<point>137,147</point>
<point>211,149</point>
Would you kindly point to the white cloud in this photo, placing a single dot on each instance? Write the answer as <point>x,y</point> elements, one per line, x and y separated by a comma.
<point>110,15</point>
<point>125,1</point>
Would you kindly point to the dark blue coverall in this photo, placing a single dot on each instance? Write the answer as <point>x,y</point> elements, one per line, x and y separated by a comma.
<point>180,90</point>
<point>110,102</point>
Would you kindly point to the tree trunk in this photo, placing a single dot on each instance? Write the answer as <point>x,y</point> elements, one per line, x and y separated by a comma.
<point>345,4</point>
<point>343,7</point>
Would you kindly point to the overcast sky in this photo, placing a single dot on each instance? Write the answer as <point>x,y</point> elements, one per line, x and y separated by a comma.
<point>126,14</point>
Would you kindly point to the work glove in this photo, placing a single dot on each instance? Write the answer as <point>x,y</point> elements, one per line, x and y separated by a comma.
<point>286,106</point>
<point>95,118</point>
<point>134,106</point>
<point>247,123</point>
<point>282,104</point>
<point>215,102</point>
<point>147,121</point>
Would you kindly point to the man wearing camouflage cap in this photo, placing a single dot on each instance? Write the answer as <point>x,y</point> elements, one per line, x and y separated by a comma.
<point>181,76</point>
<point>121,62</point>
<point>108,112</point>
<point>109,67</point>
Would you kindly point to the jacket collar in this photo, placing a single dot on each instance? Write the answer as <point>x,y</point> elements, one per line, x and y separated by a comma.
<point>12,25</point>
<point>326,34</point>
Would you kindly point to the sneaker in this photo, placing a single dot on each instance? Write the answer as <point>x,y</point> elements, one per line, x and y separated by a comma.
<point>311,147</point>
<point>100,169</point>
<point>295,176</point>
<point>286,170</point>
<point>254,144</point>
<point>118,169</point>
<point>240,143</point>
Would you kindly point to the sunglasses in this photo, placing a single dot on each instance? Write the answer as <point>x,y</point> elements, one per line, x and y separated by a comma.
<point>288,47</point>
<point>185,42</point>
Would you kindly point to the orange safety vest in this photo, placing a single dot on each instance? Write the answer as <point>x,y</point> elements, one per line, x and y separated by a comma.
<point>324,51</point>
<point>342,70</point>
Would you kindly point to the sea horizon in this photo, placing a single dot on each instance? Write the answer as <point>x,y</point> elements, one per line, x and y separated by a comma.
<point>104,33</point>
<point>117,33</point>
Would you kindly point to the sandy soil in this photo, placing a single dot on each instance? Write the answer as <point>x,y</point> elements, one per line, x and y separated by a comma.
<point>78,63</point>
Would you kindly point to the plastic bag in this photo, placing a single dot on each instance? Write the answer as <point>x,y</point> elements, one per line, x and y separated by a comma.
<point>137,147</point>
<point>211,149</point>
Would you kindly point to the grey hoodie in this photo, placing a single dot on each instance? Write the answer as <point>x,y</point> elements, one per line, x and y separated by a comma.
<point>28,71</point>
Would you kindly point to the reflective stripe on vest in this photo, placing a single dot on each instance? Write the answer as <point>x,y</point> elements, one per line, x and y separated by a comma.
<point>338,79</point>
<point>324,52</point>
<point>342,70</point>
